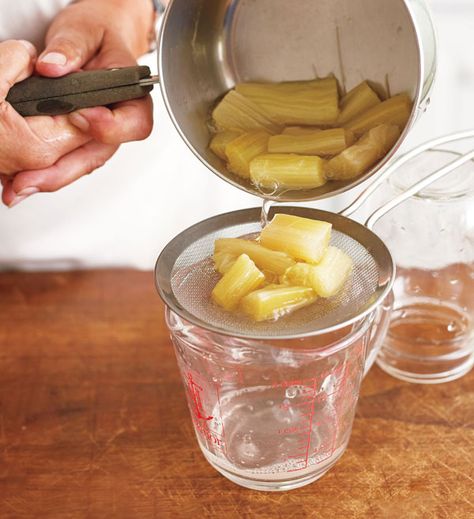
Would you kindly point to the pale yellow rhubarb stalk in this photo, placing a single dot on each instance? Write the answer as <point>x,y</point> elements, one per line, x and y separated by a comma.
<point>301,238</point>
<point>270,278</point>
<point>287,171</point>
<point>257,89</point>
<point>394,111</point>
<point>267,260</point>
<point>238,113</point>
<point>358,100</point>
<point>360,157</point>
<point>241,279</point>
<point>276,301</point>
<point>300,130</point>
<point>327,278</point>
<point>220,141</point>
<point>242,150</point>
<point>296,103</point>
<point>326,142</point>
<point>223,261</point>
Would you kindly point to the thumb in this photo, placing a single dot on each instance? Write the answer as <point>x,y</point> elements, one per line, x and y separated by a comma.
<point>72,40</point>
<point>17,58</point>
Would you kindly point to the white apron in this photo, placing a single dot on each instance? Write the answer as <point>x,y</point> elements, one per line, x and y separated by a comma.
<point>121,215</point>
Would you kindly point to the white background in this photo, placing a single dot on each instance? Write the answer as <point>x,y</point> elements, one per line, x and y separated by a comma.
<point>124,214</point>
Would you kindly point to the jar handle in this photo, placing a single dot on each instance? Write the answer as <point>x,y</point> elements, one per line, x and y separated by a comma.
<point>374,185</point>
<point>416,188</point>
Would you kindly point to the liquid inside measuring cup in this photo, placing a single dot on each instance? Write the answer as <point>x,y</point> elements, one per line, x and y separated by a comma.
<point>277,431</point>
<point>302,441</point>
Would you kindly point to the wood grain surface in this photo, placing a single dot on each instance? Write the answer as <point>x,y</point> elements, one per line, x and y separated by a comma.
<point>94,424</point>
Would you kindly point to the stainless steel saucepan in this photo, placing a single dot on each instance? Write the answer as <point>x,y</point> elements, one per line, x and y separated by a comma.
<point>207,46</point>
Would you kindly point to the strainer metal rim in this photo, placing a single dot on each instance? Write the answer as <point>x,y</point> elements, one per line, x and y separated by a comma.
<point>166,261</point>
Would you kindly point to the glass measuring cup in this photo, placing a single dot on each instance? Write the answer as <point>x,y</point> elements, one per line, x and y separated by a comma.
<point>274,415</point>
<point>228,363</point>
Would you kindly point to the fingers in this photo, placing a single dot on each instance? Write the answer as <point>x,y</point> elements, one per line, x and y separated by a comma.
<point>129,121</point>
<point>16,63</point>
<point>57,133</point>
<point>43,140</point>
<point>69,168</point>
<point>9,195</point>
<point>79,32</point>
<point>34,142</point>
<point>72,40</point>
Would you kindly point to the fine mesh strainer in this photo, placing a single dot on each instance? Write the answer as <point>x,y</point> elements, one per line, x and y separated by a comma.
<point>185,275</point>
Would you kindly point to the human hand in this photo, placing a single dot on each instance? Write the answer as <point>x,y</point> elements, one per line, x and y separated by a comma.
<point>27,143</point>
<point>92,34</point>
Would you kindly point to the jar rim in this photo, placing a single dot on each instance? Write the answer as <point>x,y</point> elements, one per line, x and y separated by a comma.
<point>457,186</point>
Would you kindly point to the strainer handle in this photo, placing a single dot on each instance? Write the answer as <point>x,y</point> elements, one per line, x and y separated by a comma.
<point>419,186</point>
<point>367,193</point>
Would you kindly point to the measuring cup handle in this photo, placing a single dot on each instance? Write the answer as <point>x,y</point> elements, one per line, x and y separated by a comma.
<point>379,331</point>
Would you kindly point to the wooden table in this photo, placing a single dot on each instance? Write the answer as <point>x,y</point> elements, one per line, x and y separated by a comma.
<point>94,424</point>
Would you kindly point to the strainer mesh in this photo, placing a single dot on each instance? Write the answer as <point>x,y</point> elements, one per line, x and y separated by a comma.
<point>193,278</point>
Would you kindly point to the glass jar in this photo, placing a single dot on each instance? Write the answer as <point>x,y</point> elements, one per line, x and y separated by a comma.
<point>431,237</point>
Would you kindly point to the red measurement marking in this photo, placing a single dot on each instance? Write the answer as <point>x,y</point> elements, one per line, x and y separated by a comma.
<point>208,434</point>
<point>195,391</point>
<point>310,393</point>
<point>291,430</point>
<point>306,383</point>
<point>305,427</point>
<point>202,422</point>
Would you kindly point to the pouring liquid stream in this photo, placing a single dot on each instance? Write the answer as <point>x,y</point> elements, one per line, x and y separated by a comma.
<point>266,206</point>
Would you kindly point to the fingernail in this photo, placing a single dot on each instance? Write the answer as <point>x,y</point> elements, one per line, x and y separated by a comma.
<point>79,121</point>
<point>29,47</point>
<point>24,193</point>
<point>54,58</point>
